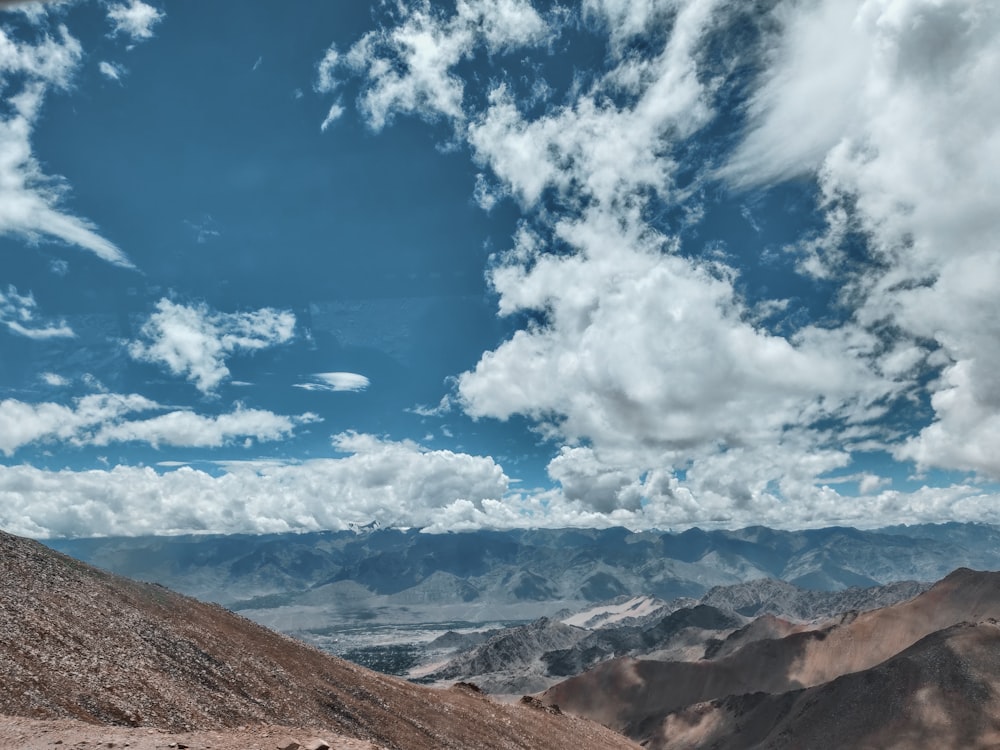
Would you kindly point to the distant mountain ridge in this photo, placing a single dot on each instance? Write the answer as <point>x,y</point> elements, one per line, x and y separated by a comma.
<point>524,566</point>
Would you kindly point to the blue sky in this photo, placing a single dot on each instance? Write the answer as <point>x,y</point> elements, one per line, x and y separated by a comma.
<point>288,266</point>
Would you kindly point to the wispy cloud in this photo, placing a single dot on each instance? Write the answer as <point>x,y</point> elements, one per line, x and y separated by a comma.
<point>18,313</point>
<point>188,429</point>
<point>29,199</point>
<point>336,381</point>
<point>194,342</point>
<point>54,379</point>
<point>111,71</point>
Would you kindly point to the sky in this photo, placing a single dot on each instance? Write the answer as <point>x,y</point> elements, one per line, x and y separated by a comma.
<point>498,263</point>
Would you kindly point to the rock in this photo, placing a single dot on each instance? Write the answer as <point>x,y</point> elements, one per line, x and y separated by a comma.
<point>532,702</point>
<point>289,744</point>
<point>316,744</point>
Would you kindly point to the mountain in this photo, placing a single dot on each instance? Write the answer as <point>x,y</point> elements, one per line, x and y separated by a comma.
<point>636,697</point>
<point>530,658</point>
<point>797,602</point>
<point>77,642</point>
<point>939,693</point>
<point>526,566</point>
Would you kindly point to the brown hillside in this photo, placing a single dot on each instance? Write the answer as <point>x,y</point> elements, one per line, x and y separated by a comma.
<point>633,696</point>
<point>79,643</point>
<point>939,693</point>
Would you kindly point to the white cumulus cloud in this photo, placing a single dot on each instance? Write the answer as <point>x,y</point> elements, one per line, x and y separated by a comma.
<point>903,132</point>
<point>397,483</point>
<point>135,20</point>
<point>194,342</point>
<point>409,67</point>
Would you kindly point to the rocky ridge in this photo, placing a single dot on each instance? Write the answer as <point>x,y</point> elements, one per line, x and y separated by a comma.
<point>534,657</point>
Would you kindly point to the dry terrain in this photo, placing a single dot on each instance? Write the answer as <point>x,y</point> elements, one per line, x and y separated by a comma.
<point>17,733</point>
<point>657,702</point>
<point>78,643</point>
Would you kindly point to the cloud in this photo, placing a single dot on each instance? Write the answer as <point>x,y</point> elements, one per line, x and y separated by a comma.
<point>336,381</point>
<point>111,71</point>
<point>29,199</point>
<point>652,360</point>
<point>627,19</point>
<point>195,342</point>
<point>105,418</point>
<point>185,428</point>
<point>326,80</point>
<point>667,395</point>
<point>642,361</point>
<point>17,312</point>
<point>803,105</point>
<point>54,379</point>
<point>903,134</point>
<point>592,148</point>
<point>397,483</point>
<point>409,68</point>
<point>135,20</point>
<point>334,114</point>
<point>24,423</point>
<point>444,406</point>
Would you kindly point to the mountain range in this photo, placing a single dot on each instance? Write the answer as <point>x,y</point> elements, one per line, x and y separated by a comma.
<point>517,568</point>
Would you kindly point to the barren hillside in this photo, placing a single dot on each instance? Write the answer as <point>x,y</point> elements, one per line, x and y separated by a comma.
<point>79,643</point>
<point>939,693</point>
<point>633,696</point>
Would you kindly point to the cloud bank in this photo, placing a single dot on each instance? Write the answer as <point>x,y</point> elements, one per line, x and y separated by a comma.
<point>399,483</point>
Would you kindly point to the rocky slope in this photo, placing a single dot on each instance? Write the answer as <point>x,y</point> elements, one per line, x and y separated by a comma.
<point>78,643</point>
<point>939,693</point>
<point>534,657</point>
<point>637,696</point>
<point>773,597</point>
